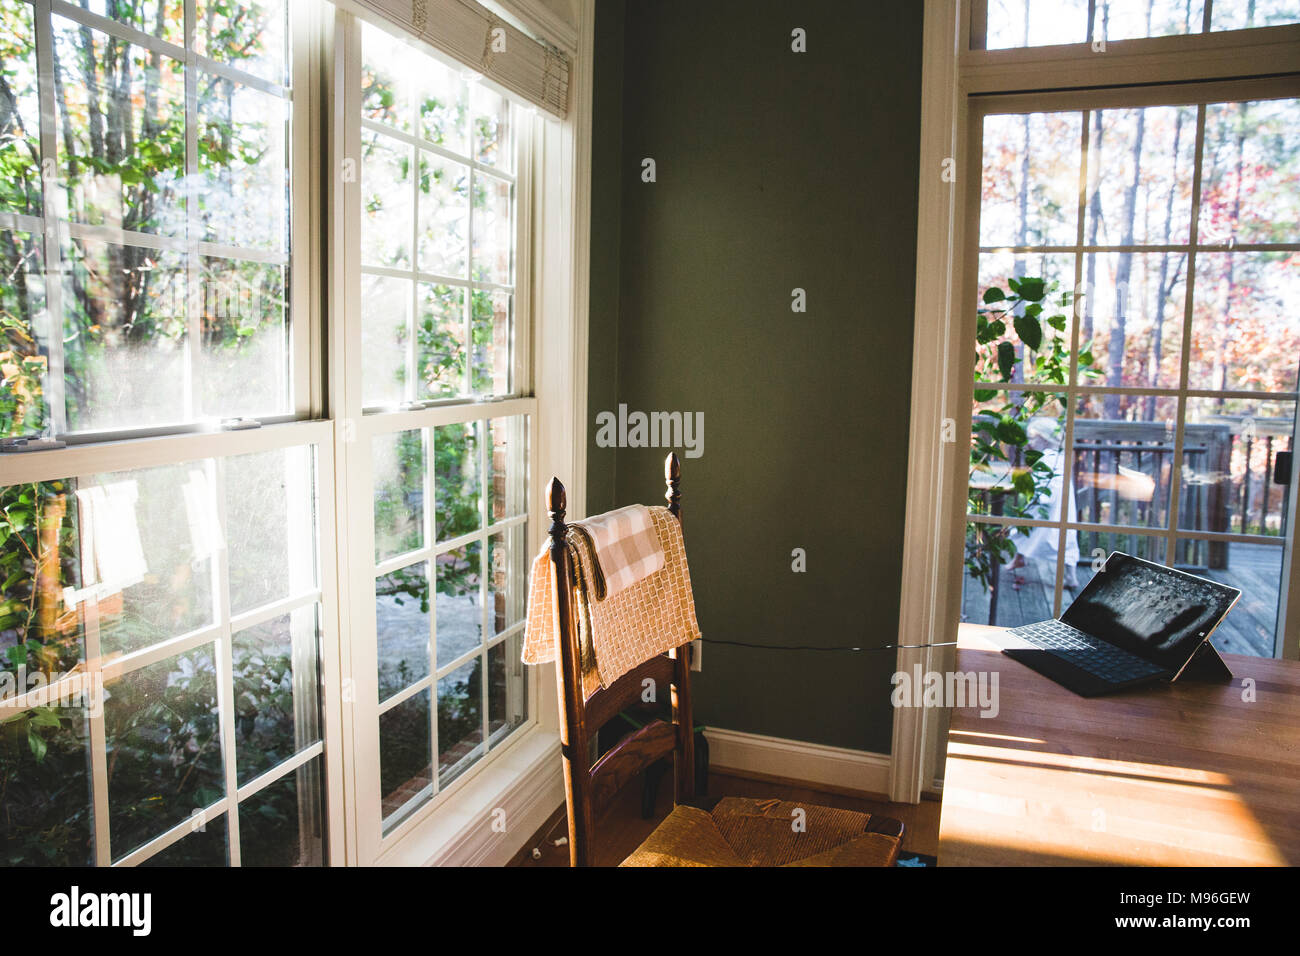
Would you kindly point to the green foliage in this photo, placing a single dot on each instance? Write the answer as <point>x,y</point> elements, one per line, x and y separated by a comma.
<point>1013,335</point>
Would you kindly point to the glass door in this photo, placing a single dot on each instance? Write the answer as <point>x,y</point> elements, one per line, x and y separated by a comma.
<point>1137,352</point>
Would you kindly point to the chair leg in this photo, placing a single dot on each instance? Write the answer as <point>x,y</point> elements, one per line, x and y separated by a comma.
<point>650,788</point>
<point>701,764</point>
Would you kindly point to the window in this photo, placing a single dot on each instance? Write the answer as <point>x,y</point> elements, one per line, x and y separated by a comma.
<point>263,574</point>
<point>161,616</point>
<point>1136,366</point>
<point>145,226</point>
<point>1030,23</point>
<point>443,374</point>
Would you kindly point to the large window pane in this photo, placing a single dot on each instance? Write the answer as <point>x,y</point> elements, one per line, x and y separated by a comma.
<point>1256,13</point>
<point>1030,186</point>
<point>1256,571</point>
<point>243,369</point>
<point>122,131</point>
<point>399,474</point>
<point>385,331</point>
<point>405,756</point>
<point>125,334</point>
<point>507,462</point>
<point>1054,311</point>
<point>24,335</point>
<point>164,19</point>
<point>1017,460</point>
<point>402,628</point>
<point>459,604</point>
<point>1132,317</point>
<point>153,536</point>
<point>40,619</point>
<point>456,479</point>
<point>493,331</point>
<point>1248,191</point>
<point>444,215</point>
<point>246,34</point>
<point>243,155</point>
<point>1122,470</point>
<point>45,779</point>
<point>1140,176</point>
<point>282,824</point>
<point>1232,455</point>
<point>1016,23</point>
<point>277,713</point>
<point>1244,329</point>
<point>20,113</point>
<point>493,229</point>
<point>492,130</point>
<point>460,720</point>
<point>270,526</point>
<point>508,576</point>
<point>161,726</point>
<point>440,341</point>
<point>386,206</point>
<point>507,687</point>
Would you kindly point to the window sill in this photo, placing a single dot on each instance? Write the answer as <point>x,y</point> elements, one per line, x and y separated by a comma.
<point>526,782</point>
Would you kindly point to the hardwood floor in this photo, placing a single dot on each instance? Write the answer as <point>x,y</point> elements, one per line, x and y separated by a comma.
<point>622,830</point>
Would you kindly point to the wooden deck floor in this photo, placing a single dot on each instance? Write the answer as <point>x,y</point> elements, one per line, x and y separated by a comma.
<point>1254,568</point>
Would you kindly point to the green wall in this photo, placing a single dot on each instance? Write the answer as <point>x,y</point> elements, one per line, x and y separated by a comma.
<point>775,170</point>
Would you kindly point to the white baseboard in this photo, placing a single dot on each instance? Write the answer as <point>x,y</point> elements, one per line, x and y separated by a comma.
<point>798,760</point>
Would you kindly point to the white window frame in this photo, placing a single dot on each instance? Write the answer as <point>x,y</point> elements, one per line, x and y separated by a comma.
<point>551,288</point>
<point>91,453</point>
<point>953,71</point>
<point>522,774</point>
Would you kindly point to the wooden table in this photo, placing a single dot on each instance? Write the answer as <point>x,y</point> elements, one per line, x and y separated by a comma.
<point>1176,774</point>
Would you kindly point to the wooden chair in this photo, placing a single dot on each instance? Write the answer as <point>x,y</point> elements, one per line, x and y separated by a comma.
<point>730,832</point>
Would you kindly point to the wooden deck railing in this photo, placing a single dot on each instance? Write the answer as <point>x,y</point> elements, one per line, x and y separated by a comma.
<point>1110,458</point>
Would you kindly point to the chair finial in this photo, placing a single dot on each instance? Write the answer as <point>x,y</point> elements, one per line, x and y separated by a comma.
<point>557,501</point>
<point>673,478</point>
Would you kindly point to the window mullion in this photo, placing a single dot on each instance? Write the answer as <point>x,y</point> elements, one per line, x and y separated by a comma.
<point>50,236</point>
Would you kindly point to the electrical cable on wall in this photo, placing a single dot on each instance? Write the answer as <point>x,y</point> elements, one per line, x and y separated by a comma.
<point>814,647</point>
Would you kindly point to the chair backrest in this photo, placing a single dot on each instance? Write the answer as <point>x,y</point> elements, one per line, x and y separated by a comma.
<point>589,787</point>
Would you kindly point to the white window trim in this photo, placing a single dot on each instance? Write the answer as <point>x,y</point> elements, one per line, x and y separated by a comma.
<point>523,776</point>
<point>942,343</point>
<point>106,451</point>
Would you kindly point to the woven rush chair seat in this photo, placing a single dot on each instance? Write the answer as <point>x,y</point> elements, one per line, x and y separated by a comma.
<point>744,832</point>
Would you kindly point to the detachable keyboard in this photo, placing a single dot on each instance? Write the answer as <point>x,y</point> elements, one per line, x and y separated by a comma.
<point>1098,658</point>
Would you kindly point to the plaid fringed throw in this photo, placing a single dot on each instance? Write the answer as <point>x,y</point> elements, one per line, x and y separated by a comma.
<point>645,618</point>
<point>626,547</point>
